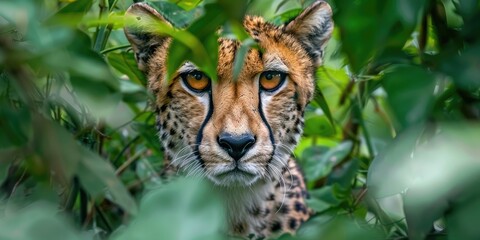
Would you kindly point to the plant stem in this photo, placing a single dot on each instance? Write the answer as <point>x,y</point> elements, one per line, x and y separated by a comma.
<point>124,149</point>
<point>113,5</point>
<point>83,206</point>
<point>72,197</point>
<point>357,111</point>
<point>103,32</point>
<point>129,161</point>
<point>104,219</point>
<point>114,48</point>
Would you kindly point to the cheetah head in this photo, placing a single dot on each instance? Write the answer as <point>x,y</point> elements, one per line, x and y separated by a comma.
<point>235,132</point>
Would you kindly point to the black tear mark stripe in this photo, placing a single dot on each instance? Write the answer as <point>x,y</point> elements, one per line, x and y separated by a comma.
<point>270,132</point>
<point>200,131</point>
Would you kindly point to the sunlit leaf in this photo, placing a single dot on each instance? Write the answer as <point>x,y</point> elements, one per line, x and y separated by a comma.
<point>186,4</point>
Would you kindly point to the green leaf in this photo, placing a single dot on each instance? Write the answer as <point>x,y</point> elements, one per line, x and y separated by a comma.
<point>15,126</point>
<point>286,16</point>
<point>55,147</point>
<point>322,102</point>
<point>78,6</point>
<point>4,165</point>
<point>329,226</point>
<point>37,221</point>
<point>367,27</point>
<point>59,151</point>
<point>462,221</point>
<point>240,56</point>
<point>198,43</point>
<point>85,62</point>
<point>322,199</point>
<point>98,178</point>
<point>183,209</point>
<point>133,93</point>
<point>410,94</point>
<point>317,125</point>
<point>176,14</point>
<point>317,205</point>
<point>97,97</point>
<point>93,82</point>
<point>186,4</point>
<point>125,63</point>
<point>234,10</point>
<point>464,69</point>
<point>432,177</point>
<point>318,163</point>
<point>345,175</point>
<point>408,11</point>
<point>467,8</point>
<point>384,164</point>
<point>145,170</point>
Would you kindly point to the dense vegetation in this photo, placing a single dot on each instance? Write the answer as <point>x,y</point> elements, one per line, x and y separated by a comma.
<point>391,145</point>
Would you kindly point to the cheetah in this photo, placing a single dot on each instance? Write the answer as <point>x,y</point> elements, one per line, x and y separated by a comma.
<point>240,133</point>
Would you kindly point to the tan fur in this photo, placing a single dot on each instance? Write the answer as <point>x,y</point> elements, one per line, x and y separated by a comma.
<point>273,199</point>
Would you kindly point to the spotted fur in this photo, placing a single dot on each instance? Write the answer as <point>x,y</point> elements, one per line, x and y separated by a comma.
<point>264,190</point>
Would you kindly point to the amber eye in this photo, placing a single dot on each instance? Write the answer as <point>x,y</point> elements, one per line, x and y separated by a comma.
<point>196,81</point>
<point>271,80</point>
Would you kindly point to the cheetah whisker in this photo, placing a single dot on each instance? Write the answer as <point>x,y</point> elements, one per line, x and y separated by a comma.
<point>282,180</point>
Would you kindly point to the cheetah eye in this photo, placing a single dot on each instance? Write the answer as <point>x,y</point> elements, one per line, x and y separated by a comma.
<point>271,80</point>
<point>196,81</point>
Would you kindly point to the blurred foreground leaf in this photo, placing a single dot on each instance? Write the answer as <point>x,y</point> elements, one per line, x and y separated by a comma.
<point>183,210</point>
<point>368,27</point>
<point>37,221</point>
<point>330,227</point>
<point>438,176</point>
<point>67,158</point>
<point>410,94</point>
<point>125,63</point>
<point>319,161</point>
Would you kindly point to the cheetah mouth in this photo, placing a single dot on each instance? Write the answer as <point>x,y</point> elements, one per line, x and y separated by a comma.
<point>235,171</point>
<point>235,177</point>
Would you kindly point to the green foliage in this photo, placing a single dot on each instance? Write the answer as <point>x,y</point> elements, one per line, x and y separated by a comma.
<point>390,147</point>
<point>192,213</point>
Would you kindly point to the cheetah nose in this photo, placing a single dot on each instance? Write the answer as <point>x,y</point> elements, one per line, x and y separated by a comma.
<point>236,145</point>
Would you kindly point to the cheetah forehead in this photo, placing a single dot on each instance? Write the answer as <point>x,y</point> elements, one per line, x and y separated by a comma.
<point>298,44</point>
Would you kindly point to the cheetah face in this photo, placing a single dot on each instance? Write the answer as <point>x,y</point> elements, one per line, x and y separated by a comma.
<point>235,132</point>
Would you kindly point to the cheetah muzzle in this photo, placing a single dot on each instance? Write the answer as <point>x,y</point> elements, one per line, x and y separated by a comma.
<point>239,133</point>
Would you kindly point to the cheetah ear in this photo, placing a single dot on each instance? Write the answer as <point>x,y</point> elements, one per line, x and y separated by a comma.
<point>141,21</point>
<point>313,27</point>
